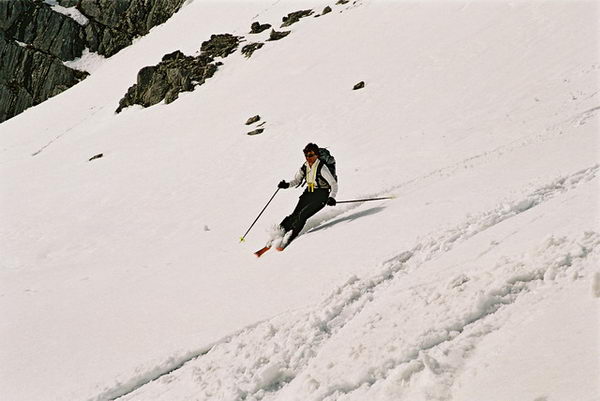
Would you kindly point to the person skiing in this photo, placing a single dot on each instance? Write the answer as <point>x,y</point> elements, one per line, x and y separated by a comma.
<point>321,189</point>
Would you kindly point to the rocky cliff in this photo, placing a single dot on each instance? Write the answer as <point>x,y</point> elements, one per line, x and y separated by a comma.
<point>37,36</point>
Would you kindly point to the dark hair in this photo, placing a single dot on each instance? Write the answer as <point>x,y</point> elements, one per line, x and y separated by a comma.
<point>311,147</point>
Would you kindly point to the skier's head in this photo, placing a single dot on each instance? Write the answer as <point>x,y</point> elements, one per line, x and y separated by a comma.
<point>311,148</point>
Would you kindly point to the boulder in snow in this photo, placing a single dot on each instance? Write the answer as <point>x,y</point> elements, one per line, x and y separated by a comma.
<point>275,35</point>
<point>221,45</point>
<point>326,10</point>
<point>359,85</point>
<point>252,120</point>
<point>294,17</point>
<point>256,131</point>
<point>178,73</point>
<point>249,49</point>
<point>257,27</point>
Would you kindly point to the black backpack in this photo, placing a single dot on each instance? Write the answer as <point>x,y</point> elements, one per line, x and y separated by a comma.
<point>326,157</point>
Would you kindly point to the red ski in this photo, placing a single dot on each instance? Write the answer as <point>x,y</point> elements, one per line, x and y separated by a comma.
<point>260,252</point>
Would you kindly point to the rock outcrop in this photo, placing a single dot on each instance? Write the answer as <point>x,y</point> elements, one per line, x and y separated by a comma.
<point>276,35</point>
<point>249,49</point>
<point>178,73</point>
<point>37,25</point>
<point>220,45</point>
<point>35,40</point>
<point>114,24</point>
<point>294,17</point>
<point>29,76</point>
<point>257,27</point>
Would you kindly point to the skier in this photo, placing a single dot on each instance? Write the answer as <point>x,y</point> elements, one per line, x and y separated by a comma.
<point>321,189</point>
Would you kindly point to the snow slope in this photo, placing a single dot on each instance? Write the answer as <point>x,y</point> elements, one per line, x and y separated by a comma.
<point>124,277</point>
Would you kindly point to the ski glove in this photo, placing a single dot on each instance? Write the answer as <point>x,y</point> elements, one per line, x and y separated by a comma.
<point>283,185</point>
<point>331,201</point>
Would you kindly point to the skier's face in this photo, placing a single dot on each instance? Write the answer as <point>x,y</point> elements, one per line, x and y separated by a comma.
<point>310,157</point>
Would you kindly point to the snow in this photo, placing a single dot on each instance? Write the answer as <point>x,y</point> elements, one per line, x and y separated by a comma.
<point>71,12</point>
<point>123,277</point>
<point>88,62</point>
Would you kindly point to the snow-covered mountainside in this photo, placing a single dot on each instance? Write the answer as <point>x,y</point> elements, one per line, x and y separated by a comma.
<point>122,276</point>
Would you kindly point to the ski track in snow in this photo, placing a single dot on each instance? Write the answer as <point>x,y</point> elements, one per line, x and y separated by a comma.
<point>67,131</point>
<point>261,361</point>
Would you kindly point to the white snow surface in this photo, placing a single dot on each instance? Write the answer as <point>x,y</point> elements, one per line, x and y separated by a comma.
<point>88,62</point>
<point>71,12</point>
<point>124,278</point>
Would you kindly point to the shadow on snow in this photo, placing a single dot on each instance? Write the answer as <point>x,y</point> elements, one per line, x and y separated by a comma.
<point>350,217</point>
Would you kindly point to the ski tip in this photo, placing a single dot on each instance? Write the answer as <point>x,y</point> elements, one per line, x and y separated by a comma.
<point>260,252</point>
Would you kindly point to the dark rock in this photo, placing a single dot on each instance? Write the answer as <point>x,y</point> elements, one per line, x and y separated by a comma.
<point>359,85</point>
<point>256,27</point>
<point>176,55</point>
<point>253,120</point>
<point>294,17</point>
<point>105,40</point>
<point>220,45</point>
<point>15,99</point>
<point>29,77</point>
<point>172,95</point>
<point>114,24</point>
<point>343,2</point>
<point>68,3</point>
<point>36,24</point>
<point>161,11</point>
<point>249,49</point>
<point>175,74</point>
<point>178,73</point>
<point>132,18</point>
<point>326,10</point>
<point>98,156</point>
<point>278,35</point>
<point>256,131</point>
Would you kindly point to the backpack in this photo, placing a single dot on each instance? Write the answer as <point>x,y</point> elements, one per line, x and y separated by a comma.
<point>326,157</point>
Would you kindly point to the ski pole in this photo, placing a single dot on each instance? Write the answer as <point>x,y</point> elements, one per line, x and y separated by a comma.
<point>366,200</point>
<point>242,239</point>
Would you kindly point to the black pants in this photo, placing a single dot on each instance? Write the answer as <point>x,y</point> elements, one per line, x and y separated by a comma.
<point>308,204</point>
